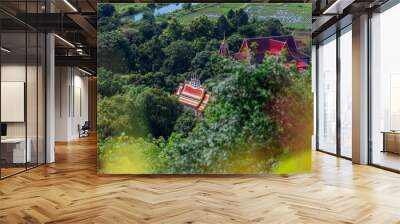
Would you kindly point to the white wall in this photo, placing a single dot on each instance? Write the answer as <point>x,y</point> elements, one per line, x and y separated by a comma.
<point>17,73</point>
<point>80,110</point>
<point>33,126</point>
<point>10,73</point>
<point>71,102</point>
<point>62,82</point>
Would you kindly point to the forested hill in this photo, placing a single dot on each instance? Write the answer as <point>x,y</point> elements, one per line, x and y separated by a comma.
<point>130,46</point>
<point>142,62</point>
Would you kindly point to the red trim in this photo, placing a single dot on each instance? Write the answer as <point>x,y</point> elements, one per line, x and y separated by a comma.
<point>192,97</point>
<point>190,91</point>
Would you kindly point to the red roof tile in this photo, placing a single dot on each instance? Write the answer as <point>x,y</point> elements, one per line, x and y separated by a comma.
<point>203,103</point>
<point>190,91</point>
<point>272,45</point>
<point>192,96</point>
<point>240,56</point>
<point>275,46</point>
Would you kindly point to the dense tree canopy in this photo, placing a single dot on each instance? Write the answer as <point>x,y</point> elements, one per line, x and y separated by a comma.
<point>234,42</point>
<point>106,10</point>
<point>201,27</point>
<point>239,18</point>
<point>151,46</point>
<point>223,27</point>
<point>114,51</point>
<point>109,84</point>
<point>150,51</point>
<point>159,111</point>
<point>174,31</point>
<point>179,56</point>
<point>185,123</point>
<point>143,62</point>
<point>271,27</point>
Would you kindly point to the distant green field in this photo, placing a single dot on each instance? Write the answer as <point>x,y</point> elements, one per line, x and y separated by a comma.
<point>123,7</point>
<point>293,15</point>
<point>211,10</point>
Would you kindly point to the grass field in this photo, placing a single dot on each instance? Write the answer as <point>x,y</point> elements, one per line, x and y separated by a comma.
<point>123,7</point>
<point>211,10</point>
<point>294,15</point>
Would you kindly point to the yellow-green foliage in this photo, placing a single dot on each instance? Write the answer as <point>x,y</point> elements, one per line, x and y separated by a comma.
<point>294,163</point>
<point>124,155</point>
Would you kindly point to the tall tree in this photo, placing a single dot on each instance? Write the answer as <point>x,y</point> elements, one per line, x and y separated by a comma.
<point>238,18</point>
<point>106,10</point>
<point>270,27</point>
<point>231,14</point>
<point>248,30</point>
<point>241,17</point>
<point>109,84</point>
<point>223,27</point>
<point>149,17</point>
<point>234,42</point>
<point>202,27</point>
<point>159,110</point>
<point>114,51</point>
<point>174,31</point>
<point>179,56</point>
<point>151,56</point>
<point>185,123</point>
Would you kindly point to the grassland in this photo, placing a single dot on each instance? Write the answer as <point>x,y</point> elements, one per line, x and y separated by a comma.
<point>211,10</point>
<point>123,7</point>
<point>293,15</point>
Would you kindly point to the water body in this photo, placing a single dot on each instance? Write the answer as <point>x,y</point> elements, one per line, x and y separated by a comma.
<point>160,11</point>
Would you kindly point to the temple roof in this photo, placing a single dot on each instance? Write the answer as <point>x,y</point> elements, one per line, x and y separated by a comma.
<point>194,97</point>
<point>223,48</point>
<point>263,44</point>
<point>203,103</point>
<point>272,45</point>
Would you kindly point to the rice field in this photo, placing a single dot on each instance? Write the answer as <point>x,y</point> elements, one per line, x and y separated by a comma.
<point>293,15</point>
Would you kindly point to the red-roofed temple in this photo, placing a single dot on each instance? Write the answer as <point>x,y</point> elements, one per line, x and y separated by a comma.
<point>193,96</point>
<point>260,46</point>
<point>223,49</point>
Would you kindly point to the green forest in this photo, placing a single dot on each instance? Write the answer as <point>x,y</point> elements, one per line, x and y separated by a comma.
<point>258,118</point>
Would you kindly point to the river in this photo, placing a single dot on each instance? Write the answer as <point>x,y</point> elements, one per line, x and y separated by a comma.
<point>160,11</point>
